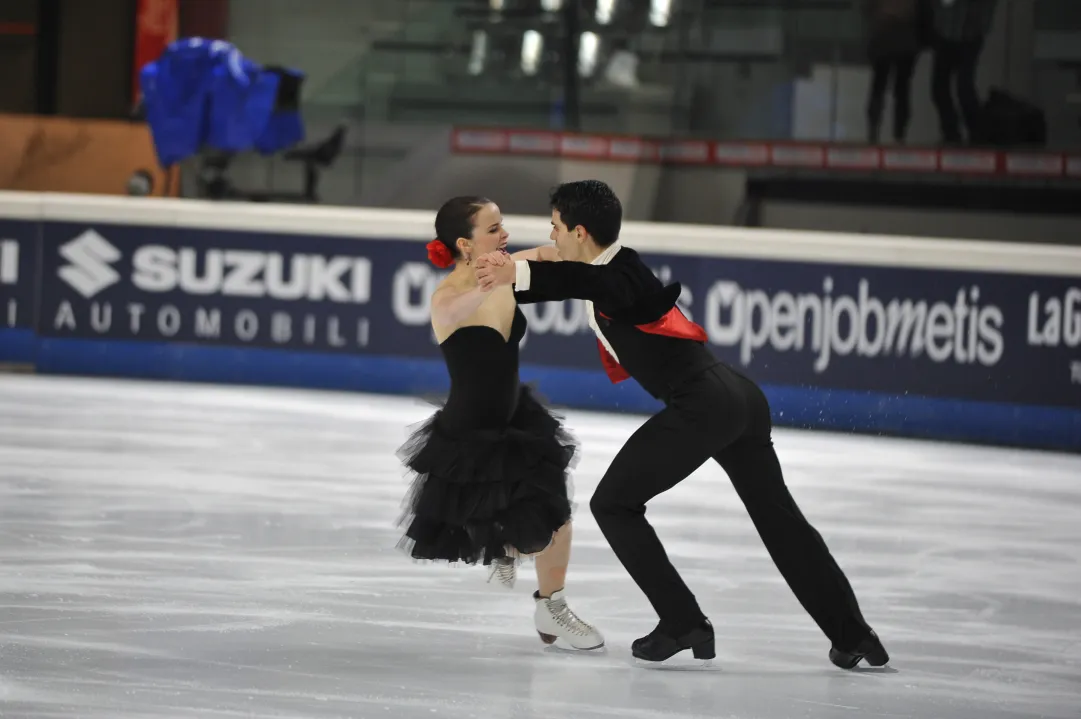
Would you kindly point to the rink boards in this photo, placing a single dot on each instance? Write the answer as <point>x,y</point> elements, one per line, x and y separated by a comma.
<point>946,339</point>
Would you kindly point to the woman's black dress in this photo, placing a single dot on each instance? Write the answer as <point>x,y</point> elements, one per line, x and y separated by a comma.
<point>491,465</point>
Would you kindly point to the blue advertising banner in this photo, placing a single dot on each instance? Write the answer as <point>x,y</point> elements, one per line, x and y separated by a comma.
<point>18,265</point>
<point>354,296</point>
<point>842,346</point>
<point>967,335</point>
<point>164,284</point>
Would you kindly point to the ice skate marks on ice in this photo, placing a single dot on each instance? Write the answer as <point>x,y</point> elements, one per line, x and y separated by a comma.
<point>682,662</point>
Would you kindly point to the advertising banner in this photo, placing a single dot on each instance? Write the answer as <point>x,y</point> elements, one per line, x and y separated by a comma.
<point>964,335</point>
<point>18,246</point>
<point>238,289</point>
<point>18,265</point>
<point>883,335</point>
<point>947,334</point>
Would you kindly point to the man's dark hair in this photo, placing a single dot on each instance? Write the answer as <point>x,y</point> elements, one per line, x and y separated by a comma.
<point>591,204</point>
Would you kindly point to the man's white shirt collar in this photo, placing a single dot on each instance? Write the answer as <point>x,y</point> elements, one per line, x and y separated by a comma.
<point>602,259</point>
<point>609,252</point>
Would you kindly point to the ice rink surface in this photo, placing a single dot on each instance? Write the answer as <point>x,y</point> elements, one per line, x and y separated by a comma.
<point>192,551</point>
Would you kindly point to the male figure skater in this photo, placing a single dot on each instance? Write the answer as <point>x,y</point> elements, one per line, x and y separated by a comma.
<point>711,411</point>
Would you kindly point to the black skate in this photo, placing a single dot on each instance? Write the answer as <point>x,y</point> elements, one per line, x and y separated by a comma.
<point>869,650</point>
<point>659,648</point>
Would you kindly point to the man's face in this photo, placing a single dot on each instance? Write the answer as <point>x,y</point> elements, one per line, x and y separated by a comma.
<point>568,241</point>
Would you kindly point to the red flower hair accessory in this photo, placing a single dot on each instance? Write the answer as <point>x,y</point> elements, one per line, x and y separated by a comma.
<point>439,254</point>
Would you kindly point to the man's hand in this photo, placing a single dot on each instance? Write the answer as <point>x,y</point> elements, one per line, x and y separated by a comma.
<point>490,275</point>
<point>490,260</point>
<point>494,259</point>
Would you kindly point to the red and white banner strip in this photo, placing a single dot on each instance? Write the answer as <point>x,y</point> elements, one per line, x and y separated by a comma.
<point>759,154</point>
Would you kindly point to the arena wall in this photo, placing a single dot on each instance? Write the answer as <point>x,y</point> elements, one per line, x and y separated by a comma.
<point>951,340</point>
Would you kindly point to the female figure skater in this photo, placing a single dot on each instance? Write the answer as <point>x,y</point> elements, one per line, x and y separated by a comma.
<point>490,465</point>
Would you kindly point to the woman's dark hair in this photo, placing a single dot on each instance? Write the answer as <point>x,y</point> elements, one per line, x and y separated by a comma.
<point>455,219</point>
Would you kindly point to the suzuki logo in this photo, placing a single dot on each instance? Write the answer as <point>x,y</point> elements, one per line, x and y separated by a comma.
<point>90,256</point>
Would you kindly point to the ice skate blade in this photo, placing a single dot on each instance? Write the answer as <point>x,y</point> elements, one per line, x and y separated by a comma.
<point>679,663</point>
<point>559,644</point>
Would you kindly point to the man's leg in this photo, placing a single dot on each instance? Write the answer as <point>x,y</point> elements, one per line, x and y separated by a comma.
<point>659,455</point>
<point>876,98</point>
<point>793,543</point>
<point>904,68</point>
<point>943,68</point>
<point>968,58</point>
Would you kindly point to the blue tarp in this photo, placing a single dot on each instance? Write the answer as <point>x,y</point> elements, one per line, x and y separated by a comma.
<point>205,94</point>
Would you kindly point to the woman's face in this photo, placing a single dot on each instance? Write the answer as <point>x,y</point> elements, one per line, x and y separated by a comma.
<point>488,233</point>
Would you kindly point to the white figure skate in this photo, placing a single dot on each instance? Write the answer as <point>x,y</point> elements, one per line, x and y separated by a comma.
<point>555,621</point>
<point>504,571</point>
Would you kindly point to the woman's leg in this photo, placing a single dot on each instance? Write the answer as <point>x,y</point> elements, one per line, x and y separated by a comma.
<point>552,562</point>
<point>553,619</point>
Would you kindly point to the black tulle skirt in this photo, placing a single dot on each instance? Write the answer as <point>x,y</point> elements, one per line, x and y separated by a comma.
<point>483,495</point>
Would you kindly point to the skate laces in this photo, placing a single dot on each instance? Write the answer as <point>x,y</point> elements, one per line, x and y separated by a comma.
<point>566,618</point>
<point>504,571</point>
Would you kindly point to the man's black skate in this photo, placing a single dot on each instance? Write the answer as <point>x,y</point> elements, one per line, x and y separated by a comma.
<point>870,650</point>
<point>659,647</point>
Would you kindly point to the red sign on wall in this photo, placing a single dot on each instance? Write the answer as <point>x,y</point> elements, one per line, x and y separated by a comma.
<point>753,154</point>
<point>156,23</point>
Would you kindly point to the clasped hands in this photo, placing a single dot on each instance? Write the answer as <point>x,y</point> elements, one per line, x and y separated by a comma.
<point>494,269</point>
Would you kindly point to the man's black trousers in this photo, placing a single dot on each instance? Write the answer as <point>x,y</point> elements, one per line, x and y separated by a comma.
<point>722,415</point>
